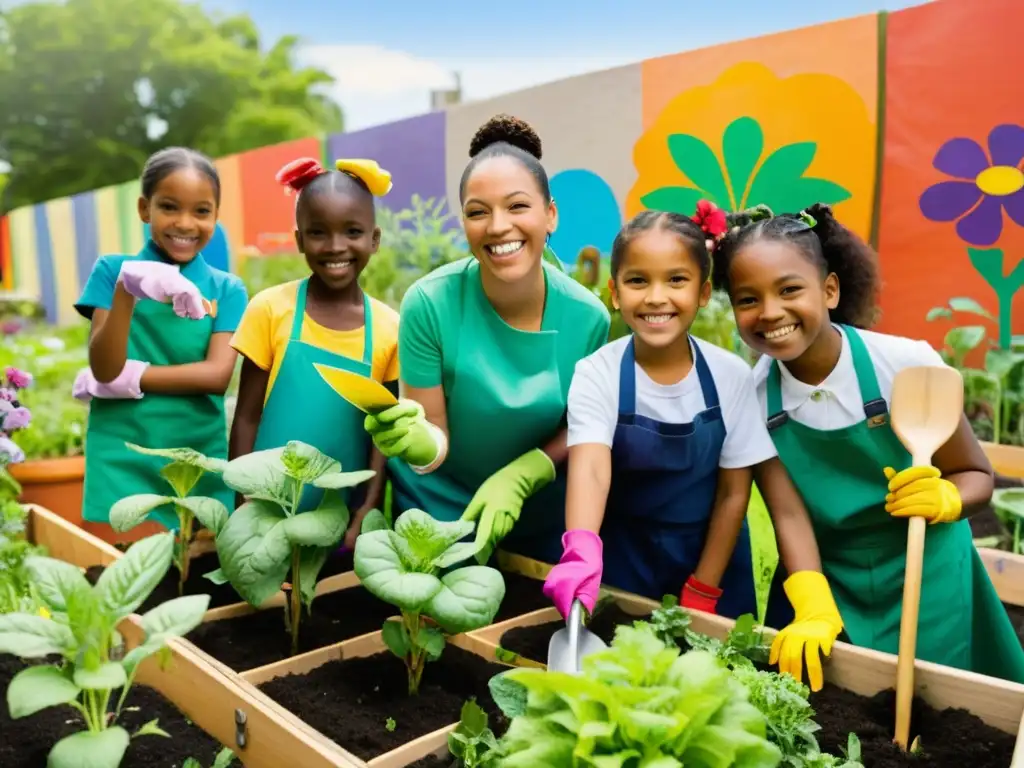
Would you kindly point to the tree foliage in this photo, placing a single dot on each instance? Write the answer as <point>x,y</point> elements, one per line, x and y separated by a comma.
<point>90,88</point>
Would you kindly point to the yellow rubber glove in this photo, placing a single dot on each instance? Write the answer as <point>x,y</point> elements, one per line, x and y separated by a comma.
<point>816,626</point>
<point>922,492</point>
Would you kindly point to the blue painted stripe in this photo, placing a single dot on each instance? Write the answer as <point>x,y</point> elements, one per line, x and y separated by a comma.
<point>44,256</point>
<point>87,235</point>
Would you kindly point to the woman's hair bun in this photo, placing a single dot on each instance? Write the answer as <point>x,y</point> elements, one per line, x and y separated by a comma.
<point>508,129</point>
<point>298,173</point>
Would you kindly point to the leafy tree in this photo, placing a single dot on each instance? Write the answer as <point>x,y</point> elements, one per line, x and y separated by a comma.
<point>91,87</point>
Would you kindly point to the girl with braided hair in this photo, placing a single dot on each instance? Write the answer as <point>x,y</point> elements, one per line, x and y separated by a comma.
<point>803,290</point>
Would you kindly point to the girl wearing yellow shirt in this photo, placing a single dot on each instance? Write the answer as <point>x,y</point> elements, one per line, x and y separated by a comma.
<point>324,319</point>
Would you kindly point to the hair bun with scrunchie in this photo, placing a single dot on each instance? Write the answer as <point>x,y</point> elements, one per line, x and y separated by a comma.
<point>298,173</point>
<point>507,129</point>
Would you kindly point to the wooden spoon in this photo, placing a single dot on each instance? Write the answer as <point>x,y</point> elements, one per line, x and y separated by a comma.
<point>927,403</point>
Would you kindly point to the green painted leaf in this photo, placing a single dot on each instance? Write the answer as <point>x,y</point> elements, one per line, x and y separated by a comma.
<point>700,165</point>
<point>469,599</point>
<point>57,582</point>
<point>320,527</point>
<point>343,479</point>
<point>254,550</point>
<point>126,583</point>
<point>742,145</point>
<point>37,688</point>
<point>33,637</point>
<point>374,521</point>
<point>380,570</point>
<point>210,512</point>
<point>107,676</point>
<point>802,193</point>
<point>673,199</point>
<point>777,173</point>
<point>90,749</point>
<point>132,510</point>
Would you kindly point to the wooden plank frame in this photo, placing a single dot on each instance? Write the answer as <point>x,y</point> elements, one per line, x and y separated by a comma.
<point>1006,459</point>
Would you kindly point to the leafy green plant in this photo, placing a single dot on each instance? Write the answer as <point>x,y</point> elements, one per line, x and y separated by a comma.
<point>82,631</point>
<point>185,468</point>
<point>267,538</point>
<point>638,702</point>
<point>743,646</point>
<point>403,567</point>
<point>17,593</point>
<point>472,742</point>
<point>1009,506</point>
<point>224,758</point>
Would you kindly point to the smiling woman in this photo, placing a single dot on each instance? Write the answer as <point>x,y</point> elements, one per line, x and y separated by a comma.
<point>488,346</point>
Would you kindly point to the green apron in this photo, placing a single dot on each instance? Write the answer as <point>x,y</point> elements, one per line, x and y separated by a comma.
<point>114,471</point>
<point>302,406</point>
<point>840,475</point>
<point>504,397</point>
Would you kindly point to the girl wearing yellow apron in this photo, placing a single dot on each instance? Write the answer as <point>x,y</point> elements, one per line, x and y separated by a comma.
<point>323,319</point>
<point>159,357</point>
<point>803,289</point>
<point>488,346</point>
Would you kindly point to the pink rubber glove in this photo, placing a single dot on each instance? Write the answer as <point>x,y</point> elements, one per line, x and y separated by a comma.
<point>164,283</point>
<point>578,574</point>
<point>127,385</point>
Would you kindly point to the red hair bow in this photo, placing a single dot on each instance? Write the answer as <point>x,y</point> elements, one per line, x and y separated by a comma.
<point>298,173</point>
<point>711,219</point>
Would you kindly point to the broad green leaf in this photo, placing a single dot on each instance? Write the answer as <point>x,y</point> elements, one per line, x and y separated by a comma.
<point>431,640</point>
<point>55,581</point>
<point>259,475</point>
<point>305,463</point>
<point>938,313</point>
<point>374,521</point>
<point>396,638</point>
<point>320,527</point>
<point>254,550</point>
<point>428,538</point>
<point>132,510</point>
<point>700,165</point>
<point>151,729</point>
<point>381,571</point>
<point>224,758</point>
<point>509,695</point>
<point>311,561</point>
<point>999,362</point>
<point>964,338</point>
<point>181,477</point>
<point>37,688</point>
<point>191,762</point>
<point>742,145</point>
<point>33,637</point>
<point>463,551</point>
<point>90,749</point>
<point>210,512</point>
<point>176,617</point>
<point>184,456</point>
<point>969,305</point>
<point>217,576</point>
<point>468,599</point>
<point>107,676</point>
<point>338,480</point>
<point>126,583</point>
<point>681,200</point>
<point>1009,501</point>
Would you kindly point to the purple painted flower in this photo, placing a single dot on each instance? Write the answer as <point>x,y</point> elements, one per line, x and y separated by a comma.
<point>17,418</point>
<point>984,185</point>
<point>18,378</point>
<point>10,453</point>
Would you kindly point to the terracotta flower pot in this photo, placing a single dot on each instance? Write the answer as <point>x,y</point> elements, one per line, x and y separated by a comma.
<point>56,485</point>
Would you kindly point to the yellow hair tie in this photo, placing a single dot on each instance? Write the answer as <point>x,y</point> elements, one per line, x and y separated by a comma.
<point>377,180</point>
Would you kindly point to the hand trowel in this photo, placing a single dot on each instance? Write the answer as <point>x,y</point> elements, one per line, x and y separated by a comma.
<point>568,646</point>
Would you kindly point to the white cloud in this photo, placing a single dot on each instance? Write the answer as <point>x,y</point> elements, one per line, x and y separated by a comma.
<point>376,85</point>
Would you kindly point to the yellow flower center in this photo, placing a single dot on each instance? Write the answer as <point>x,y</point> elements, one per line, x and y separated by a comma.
<point>1000,180</point>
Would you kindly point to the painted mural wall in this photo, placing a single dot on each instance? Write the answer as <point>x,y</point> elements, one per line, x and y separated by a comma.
<point>906,122</point>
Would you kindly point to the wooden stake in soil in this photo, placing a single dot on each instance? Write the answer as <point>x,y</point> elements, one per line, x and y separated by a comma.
<point>927,403</point>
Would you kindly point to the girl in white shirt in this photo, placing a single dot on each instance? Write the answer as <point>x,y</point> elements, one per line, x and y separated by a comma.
<point>664,430</point>
<point>803,289</point>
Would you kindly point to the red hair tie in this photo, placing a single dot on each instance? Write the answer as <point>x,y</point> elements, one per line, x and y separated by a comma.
<point>711,219</point>
<point>298,173</point>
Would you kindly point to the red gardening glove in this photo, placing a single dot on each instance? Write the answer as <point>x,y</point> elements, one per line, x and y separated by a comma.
<point>699,597</point>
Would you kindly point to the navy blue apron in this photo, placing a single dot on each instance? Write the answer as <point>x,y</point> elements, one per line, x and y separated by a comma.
<point>664,480</point>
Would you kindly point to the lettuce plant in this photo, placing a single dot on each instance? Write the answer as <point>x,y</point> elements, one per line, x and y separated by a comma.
<point>267,540</point>
<point>404,566</point>
<point>223,759</point>
<point>82,631</point>
<point>639,702</point>
<point>182,472</point>
<point>17,592</point>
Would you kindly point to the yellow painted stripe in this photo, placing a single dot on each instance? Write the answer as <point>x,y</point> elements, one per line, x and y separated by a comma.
<point>107,222</point>
<point>65,263</point>
<point>24,251</point>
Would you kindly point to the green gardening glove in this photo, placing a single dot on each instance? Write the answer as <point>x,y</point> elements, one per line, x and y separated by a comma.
<point>498,502</point>
<point>402,431</point>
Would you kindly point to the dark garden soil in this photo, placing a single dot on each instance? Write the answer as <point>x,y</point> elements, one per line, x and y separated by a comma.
<point>260,638</point>
<point>950,738</point>
<point>25,743</point>
<point>351,700</point>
